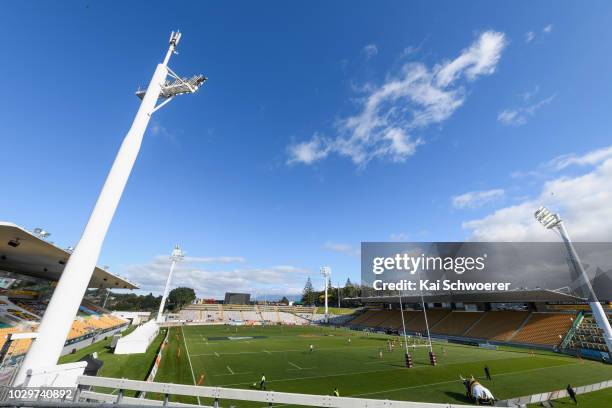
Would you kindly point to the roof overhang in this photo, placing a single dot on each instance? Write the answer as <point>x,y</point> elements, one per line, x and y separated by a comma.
<point>515,296</point>
<point>38,258</point>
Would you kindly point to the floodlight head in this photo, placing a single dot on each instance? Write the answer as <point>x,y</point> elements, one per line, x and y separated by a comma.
<point>177,86</point>
<point>547,218</point>
<point>175,37</point>
<point>326,271</point>
<point>41,233</point>
<point>180,86</point>
<point>177,254</point>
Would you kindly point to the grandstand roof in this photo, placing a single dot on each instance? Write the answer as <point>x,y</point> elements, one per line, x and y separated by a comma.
<point>514,296</point>
<point>36,257</point>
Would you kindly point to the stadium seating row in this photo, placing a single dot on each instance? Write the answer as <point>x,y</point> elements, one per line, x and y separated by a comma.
<point>247,314</point>
<point>513,326</point>
<point>80,327</point>
<point>588,335</point>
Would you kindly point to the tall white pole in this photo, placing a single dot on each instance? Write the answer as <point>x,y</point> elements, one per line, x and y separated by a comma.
<point>598,312</point>
<point>326,272</point>
<point>106,298</point>
<point>64,304</point>
<point>326,307</point>
<point>425,313</point>
<point>403,322</point>
<point>176,256</point>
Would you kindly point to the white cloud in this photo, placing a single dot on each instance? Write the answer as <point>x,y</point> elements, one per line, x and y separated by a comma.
<point>528,95</point>
<point>548,169</point>
<point>342,248</point>
<point>583,202</point>
<point>310,151</point>
<point>157,129</point>
<point>480,58</point>
<point>214,259</point>
<point>211,276</point>
<point>591,158</point>
<point>369,51</point>
<point>474,199</point>
<point>399,236</point>
<point>531,35</point>
<point>519,116</point>
<point>414,99</point>
<point>410,50</point>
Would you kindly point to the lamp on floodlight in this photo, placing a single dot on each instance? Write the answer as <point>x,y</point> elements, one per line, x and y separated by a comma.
<point>54,327</point>
<point>553,221</point>
<point>326,272</point>
<point>176,85</point>
<point>176,256</point>
<point>41,233</point>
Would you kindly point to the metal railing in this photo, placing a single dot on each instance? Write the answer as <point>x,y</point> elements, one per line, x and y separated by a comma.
<point>217,394</point>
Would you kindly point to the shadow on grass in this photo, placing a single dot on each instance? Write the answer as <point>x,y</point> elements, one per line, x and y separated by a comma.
<point>459,397</point>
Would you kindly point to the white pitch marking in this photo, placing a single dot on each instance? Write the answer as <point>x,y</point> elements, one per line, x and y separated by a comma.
<point>395,369</point>
<point>295,365</point>
<point>189,359</point>
<point>266,351</point>
<point>217,354</point>
<point>230,370</point>
<point>224,375</point>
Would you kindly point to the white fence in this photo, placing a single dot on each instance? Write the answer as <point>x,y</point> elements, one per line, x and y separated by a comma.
<point>553,395</point>
<point>218,393</point>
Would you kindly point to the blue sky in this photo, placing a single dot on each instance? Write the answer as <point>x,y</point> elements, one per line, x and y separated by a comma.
<point>323,124</point>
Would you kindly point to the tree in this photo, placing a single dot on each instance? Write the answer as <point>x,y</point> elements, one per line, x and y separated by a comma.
<point>308,294</point>
<point>284,300</point>
<point>349,289</point>
<point>180,297</point>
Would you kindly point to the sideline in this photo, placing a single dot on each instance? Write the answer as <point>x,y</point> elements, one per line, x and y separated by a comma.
<point>189,359</point>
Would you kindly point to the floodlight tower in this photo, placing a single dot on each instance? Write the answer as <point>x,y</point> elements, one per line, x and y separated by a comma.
<point>177,255</point>
<point>326,272</point>
<point>553,221</point>
<point>57,320</point>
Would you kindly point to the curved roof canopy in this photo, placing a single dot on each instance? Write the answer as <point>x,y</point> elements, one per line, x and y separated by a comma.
<point>25,253</point>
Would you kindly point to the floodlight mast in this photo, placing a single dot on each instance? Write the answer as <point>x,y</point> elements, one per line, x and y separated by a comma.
<point>326,272</point>
<point>553,221</point>
<point>177,255</point>
<point>64,304</point>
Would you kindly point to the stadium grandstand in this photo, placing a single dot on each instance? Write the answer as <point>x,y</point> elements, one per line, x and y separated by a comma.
<point>532,318</point>
<point>249,314</point>
<point>29,269</point>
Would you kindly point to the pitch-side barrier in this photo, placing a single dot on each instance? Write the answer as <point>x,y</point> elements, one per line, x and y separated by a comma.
<point>553,395</point>
<point>219,394</point>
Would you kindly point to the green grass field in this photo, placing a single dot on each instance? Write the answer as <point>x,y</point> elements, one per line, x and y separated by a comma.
<point>132,366</point>
<point>597,399</point>
<point>336,310</point>
<point>205,355</point>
